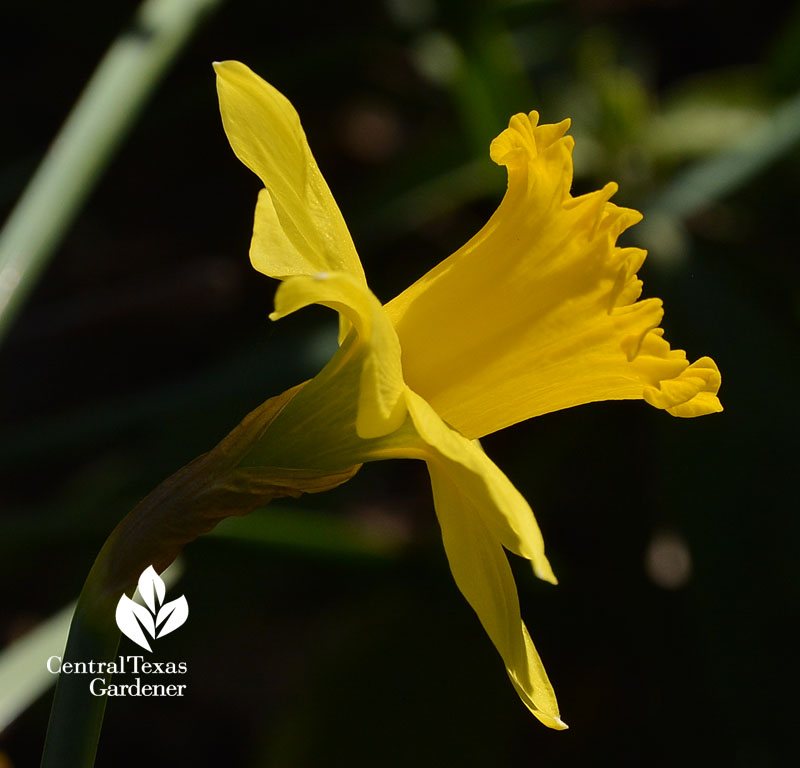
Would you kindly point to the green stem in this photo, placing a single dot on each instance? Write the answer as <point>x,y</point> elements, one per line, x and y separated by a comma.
<point>94,129</point>
<point>186,505</point>
<point>77,717</point>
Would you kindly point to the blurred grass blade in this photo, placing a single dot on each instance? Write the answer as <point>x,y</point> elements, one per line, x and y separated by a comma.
<point>23,671</point>
<point>23,674</point>
<point>712,179</point>
<point>97,124</point>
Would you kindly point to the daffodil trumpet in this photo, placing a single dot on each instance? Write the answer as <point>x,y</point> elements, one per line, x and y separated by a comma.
<point>539,311</point>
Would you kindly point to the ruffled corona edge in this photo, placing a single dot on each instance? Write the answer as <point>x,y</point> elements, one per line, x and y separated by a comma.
<point>540,310</point>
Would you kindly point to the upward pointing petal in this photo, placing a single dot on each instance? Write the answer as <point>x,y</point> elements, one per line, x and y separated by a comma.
<point>299,229</point>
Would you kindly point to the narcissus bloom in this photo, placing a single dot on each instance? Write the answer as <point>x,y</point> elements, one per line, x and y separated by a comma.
<point>539,311</point>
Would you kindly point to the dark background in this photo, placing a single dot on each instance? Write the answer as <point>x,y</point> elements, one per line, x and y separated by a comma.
<point>668,639</point>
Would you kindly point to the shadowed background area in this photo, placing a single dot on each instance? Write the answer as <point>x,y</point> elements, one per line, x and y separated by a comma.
<point>328,631</point>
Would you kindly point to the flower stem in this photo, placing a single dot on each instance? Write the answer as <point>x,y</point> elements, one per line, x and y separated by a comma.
<point>186,505</point>
<point>77,716</point>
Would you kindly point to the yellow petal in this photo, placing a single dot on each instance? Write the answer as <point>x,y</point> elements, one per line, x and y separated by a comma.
<point>376,350</point>
<point>479,512</point>
<point>539,310</point>
<point>500,505</point>
<point>691,394</point>
<point>298,229</point>
<point>478,508</point>
<point>476,505</point>
<point>482,573</point>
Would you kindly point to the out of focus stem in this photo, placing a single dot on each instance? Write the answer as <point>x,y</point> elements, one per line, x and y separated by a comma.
<point>186,505</point>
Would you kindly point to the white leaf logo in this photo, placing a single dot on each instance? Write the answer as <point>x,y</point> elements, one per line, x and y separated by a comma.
<point>157,618</point>
<point>127,612</point>
<point>151,587</point>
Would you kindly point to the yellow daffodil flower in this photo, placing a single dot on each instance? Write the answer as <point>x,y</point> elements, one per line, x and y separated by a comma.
<point>539,311</point>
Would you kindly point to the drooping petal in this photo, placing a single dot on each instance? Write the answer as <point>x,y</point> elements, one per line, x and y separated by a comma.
<point>298,229</point>
<point>381,391</point>
<point>539,310</point>
<point>479,509</point>
<point>479,512</point>
<point>477,506</point>
<point>500,505</point>
<point>481,571</point>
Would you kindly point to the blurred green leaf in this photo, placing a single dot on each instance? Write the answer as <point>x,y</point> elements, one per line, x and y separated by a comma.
<point>720,175</point>
<point>94,129</point>
<point>315,533</point>
<point>23,671</point>
<point>24,676</point>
